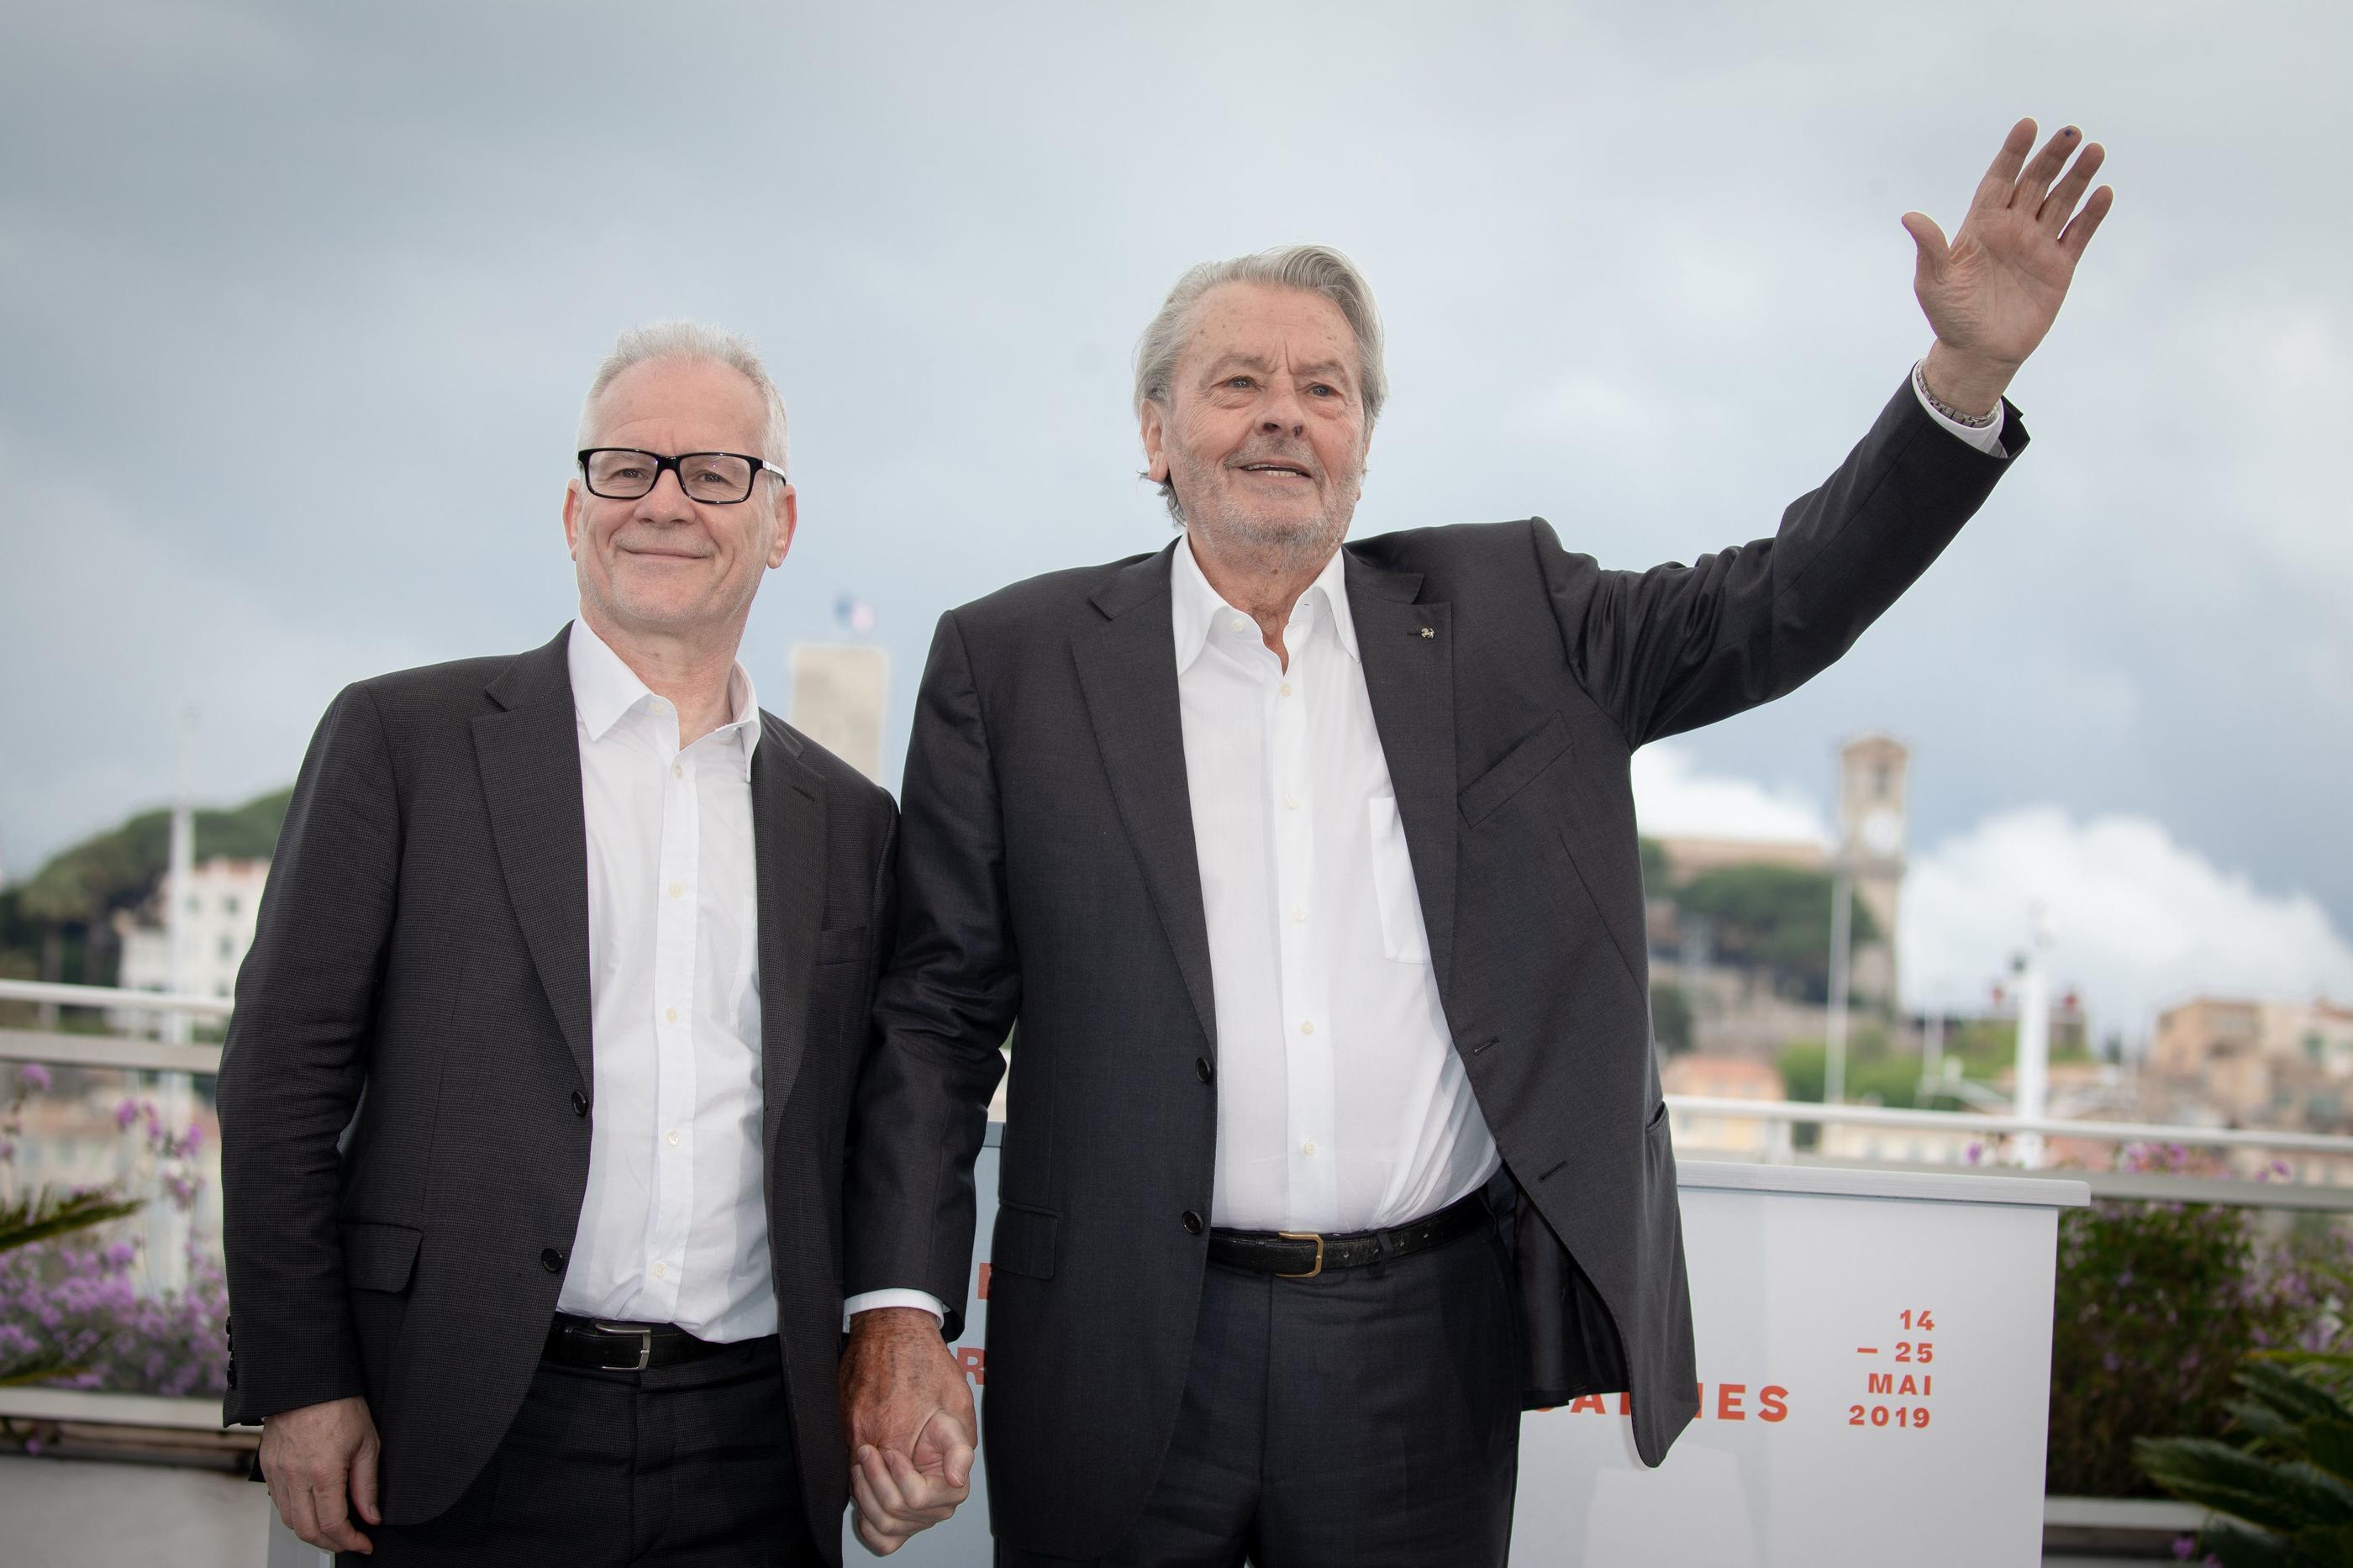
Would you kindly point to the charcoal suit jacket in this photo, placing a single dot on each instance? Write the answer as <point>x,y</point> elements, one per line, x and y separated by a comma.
<point>1046,878</point>
<point>422,961</point>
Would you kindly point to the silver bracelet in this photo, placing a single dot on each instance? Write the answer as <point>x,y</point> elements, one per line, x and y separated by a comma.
<point>1972,421</point>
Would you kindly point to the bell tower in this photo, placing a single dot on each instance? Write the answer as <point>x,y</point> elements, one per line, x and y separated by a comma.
<point>1870,831</point>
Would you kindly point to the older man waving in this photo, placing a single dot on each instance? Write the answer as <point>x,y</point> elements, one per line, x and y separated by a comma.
<point>1308,872</point>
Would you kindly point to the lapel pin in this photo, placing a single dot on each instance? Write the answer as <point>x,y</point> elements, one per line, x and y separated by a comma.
<point>1428,633</point>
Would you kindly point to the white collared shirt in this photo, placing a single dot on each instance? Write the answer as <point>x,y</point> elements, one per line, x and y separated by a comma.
<point>1342,1105</point>
<point>674,1226</point>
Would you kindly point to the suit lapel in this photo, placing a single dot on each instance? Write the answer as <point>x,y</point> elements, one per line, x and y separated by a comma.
<point>529,755</point>
<point>1409,655</point>
<point>1128,667</point>
<point>788,839</point>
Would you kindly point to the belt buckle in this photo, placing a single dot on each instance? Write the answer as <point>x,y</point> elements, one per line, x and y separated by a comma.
<point>1303,1236</point>
<point>645,1344</point>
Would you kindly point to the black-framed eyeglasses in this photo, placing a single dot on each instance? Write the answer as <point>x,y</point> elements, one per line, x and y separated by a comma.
<point>719,479</point>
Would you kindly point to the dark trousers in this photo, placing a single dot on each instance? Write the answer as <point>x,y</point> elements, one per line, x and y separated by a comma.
<point>1366,1418</point>
<point>680,1466</point>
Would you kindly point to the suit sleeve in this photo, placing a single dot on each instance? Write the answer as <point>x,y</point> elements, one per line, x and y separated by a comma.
<point>946,1000</point>
<point>294,1063</point>
<point>1677,646</point>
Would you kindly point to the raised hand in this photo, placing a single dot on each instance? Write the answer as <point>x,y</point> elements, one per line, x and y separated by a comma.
<point>1993,291</point>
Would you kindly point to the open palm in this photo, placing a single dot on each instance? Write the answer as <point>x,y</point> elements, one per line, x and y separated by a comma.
<point>1993,291</point>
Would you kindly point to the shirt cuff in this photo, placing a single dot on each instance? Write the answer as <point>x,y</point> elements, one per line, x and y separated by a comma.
<point>869,1300</point>
<point>1986,439</point>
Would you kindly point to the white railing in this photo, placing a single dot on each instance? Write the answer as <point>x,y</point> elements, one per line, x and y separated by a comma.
<point>128,1052</point>
<point>1967,1121</point>
<point>1780,1115</point>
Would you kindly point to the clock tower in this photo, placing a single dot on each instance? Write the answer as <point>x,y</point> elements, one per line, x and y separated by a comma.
<point>1871,834</point>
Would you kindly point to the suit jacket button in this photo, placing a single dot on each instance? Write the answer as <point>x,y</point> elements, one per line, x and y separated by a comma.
<point>1201,1068</point>
<point>1192,1223</point>
<point>552,1260</point>
<point>579,1104</point>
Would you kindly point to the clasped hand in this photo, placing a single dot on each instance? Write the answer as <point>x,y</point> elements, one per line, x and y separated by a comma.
<point>907,1418</point>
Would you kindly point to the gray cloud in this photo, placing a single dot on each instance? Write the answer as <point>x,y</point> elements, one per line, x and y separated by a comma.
<point>296,302</point>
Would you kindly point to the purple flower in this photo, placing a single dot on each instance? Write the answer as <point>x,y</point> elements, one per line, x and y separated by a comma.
<point>32,1078</point>
<point>125,1114</point>
<point>2183,1546</point>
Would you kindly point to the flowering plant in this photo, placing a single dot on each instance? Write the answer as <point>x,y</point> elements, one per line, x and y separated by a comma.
<point>70,1311</point>
<point>2157,1304</point>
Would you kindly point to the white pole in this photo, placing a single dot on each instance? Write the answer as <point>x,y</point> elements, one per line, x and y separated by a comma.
<point>1841,928</point>
<point>167,1226</point>
<point>2033,1042</point>
<point>1932,1053</point>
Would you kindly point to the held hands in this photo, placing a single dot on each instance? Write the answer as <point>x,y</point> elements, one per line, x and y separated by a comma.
<point>1993,292</point>
<point>907,1415</point>
<point>320,1462</point>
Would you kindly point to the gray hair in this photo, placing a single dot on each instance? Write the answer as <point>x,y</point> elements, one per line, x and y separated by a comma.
<point>690,340</point>
<point>1318,268</point>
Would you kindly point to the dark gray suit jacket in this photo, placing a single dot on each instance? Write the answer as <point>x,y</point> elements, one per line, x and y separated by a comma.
<point>1046,875</point>
<point>422,957</point>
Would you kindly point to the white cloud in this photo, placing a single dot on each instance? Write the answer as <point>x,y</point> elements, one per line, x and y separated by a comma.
<point>2136,918</point>
<point>1674,799</point>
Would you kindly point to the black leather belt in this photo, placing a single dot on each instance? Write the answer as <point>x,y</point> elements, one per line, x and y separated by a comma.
<point>621,1347</point>
<point>1303,1254</point>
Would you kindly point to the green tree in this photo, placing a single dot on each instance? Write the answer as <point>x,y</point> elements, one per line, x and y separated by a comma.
<point>77,894</point>
<point>1657,880</point>
<point>1670,1018</point>
<point>1776,918</point>
<point>2287,1484</point>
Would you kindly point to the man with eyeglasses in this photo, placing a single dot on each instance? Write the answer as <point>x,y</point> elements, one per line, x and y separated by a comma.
<point>535,1101</point>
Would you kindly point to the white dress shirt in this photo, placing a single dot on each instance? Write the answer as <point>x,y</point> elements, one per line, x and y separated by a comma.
<point>1342,1105</point>
<point>674,1227</point>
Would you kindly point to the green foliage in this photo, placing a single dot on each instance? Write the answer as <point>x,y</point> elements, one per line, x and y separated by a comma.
<point>1657,881</point>
<point>2287,1482</point>
<point>1773,917</point>
<point>63,909</point>
<point>2156,1305</point>
<point>1874,1072</point>
<point>116,869</point>
<point>44,1217</point>
<point>1670,1018</point>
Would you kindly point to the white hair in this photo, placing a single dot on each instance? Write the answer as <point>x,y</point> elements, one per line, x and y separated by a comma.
<point>690,340</point>
<point>1318,268</point>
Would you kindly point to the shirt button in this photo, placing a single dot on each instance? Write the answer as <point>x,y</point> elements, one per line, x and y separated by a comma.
<point>1291,802</point>
<point>677,772</point>
<point>579,1104</point>
<point>552,1260</point>
<point>670,1015</point>
<point>1241,624</point>
<point>1284,690</point>
<point>671,1137</point>
<point>1297,913</point>
<point>1308,1148</point>
<point>678,889</point>
<point>1192,1223</point>
<point>661,1270</point>
<point>1202,1070</point>
<point>1307,1025</point>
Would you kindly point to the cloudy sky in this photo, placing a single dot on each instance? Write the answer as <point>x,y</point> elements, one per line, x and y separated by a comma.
<point>296,304</point>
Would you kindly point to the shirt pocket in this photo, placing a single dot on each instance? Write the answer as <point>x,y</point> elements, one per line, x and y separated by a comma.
<point>1404,936</point>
